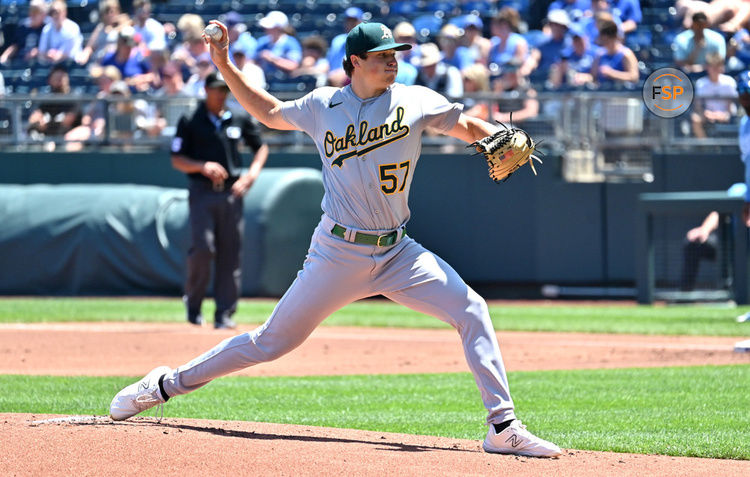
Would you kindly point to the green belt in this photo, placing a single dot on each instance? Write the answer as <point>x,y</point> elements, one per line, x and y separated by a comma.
<point>369,239</point>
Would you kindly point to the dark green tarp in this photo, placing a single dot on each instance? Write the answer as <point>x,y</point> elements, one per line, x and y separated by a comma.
<point>115,239</point>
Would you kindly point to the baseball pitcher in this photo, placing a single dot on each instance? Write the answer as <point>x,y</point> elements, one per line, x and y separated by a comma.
<point>368,135</point>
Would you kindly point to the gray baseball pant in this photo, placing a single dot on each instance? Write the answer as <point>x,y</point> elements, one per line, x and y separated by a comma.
<point>336,273</point>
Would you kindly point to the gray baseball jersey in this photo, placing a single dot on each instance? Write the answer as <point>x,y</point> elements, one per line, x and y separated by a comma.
<point>369,149</point>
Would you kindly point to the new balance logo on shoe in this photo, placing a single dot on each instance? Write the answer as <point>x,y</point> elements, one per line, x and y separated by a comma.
<point>139,396</point>
<point>514,440</point>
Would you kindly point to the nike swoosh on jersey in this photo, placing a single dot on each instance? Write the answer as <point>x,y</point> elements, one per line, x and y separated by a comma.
<point>333,105</point>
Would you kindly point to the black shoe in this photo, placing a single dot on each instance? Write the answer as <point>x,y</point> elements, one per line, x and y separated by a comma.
<point>225,324</point>
<point>195,320</point>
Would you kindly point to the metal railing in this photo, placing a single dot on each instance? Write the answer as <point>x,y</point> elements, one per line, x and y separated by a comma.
<point>139,121</point>
<point>600,135</point>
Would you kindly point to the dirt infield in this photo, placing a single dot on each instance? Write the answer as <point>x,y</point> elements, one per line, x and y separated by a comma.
<point>36,445</point>
<point>131,349</point>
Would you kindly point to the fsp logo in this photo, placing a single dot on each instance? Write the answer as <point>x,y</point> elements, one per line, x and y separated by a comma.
<point>386,33</point>
<point>668,92</point>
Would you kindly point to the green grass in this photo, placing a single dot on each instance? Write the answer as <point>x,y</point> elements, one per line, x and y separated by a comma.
<point>673,320</point>
<point>685,411</point>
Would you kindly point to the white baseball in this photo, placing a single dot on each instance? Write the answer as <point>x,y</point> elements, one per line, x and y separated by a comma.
<point>213,31</point>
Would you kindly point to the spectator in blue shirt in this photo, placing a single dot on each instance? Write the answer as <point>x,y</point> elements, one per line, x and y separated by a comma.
<point>407,73</point>
<point>629,13</point>
<point>508,46</point>
<point>314,62</point>
<point>574,67</point>
<point>575,9</point>
<point>600,10</point>
<point>408,60</point>
<point>738,50</point>
<point>550,50</point>
<point>692,45</point>
<point>278,53</point>
<point>404,32</point>
<point>151,30</point>
<point>615,63</point>
<point>104,37</point>
<point>126,57</point>
<point>193,45</point>
<point>239,38</point>
<point>454,53</point>
<point>478,45</point>
<point>61,38</point>
<point>25,42</point>
<point>337,50</point>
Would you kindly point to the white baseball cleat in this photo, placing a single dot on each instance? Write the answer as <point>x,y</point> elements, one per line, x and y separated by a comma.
<point>139,396</point>
<point>744,318</point>
<point>515,439</point>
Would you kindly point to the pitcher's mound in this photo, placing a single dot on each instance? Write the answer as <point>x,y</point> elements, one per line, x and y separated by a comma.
<point>94,445</point>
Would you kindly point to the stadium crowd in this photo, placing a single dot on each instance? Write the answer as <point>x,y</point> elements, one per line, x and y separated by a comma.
<point>149,51</point>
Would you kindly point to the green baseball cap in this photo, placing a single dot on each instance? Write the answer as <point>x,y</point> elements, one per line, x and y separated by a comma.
<point>367,37</point>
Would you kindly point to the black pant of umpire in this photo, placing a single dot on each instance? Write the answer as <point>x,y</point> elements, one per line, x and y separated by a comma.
<point>693,253</point>
<point>216,229</point>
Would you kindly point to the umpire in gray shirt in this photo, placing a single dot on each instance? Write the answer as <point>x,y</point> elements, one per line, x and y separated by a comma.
<point>205,147</point>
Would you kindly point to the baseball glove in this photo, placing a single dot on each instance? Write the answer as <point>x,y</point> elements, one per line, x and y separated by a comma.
<point>506,150</point>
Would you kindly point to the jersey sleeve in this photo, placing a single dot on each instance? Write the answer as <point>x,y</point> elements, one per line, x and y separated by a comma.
<point>251,135</point>
<point>437,112</point>
<point>301,113</point>
<point>181,139</point>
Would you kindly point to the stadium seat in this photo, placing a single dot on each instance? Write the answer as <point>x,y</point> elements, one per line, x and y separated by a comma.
<point>663,4</point>
<point>661,53</point>
<point>300,84</point>
<point>289,7</point>
<point>459,21</point>
<point>427,25</point>
<point>404,7</point>
<point>640,38</point>
<point>5,122</point>
<point>441,6</point>
<point>481,7</point>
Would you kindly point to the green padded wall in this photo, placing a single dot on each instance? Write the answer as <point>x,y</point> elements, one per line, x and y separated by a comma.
<point>111,239</point>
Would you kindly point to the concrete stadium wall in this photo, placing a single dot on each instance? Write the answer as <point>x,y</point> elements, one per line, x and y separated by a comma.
<point>529,230</point>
